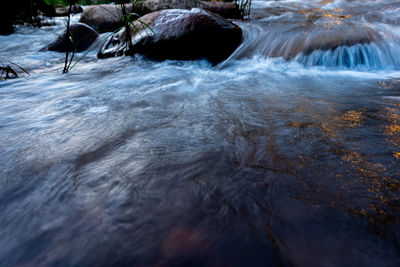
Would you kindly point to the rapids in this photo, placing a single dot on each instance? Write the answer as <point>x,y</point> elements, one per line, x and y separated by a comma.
<point>287,153</point>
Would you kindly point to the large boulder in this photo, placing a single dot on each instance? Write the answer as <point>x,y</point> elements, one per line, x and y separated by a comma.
<point>105,18</point>
<point>82,35</point>
<point>178,34</point>
<point>108,18</point>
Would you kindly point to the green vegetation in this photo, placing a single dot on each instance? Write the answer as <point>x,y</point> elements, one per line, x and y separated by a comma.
<point>68,60</point>
<point>244,6</point>
<point>8,72</point>
<point>56,3</point>
<point>128,19</point>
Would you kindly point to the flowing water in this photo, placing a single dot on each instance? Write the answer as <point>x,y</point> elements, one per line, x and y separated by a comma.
<point>286,154</point>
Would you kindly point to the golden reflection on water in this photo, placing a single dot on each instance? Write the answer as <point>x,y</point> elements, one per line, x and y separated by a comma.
<point>326,2</point>
<point>330,18</point>
<point>389,84</point>
<point>391,114</point>
<point>301,124</point>
<point>350,119</point>
<point>379,186</point>
<point>383,189</point>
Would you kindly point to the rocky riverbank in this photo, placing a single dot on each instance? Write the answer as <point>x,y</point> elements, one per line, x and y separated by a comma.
<point>178,29</point>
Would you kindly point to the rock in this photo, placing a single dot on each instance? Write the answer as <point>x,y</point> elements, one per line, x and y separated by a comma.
<point>343,37</point>
<point>82,35</point>
<point>63,11</point>
<point>107,18</point>
<point>104,18</point>
<point>149,6</point>
<point>178,34</point>
<point>345,34</point>
<point>224,9</point>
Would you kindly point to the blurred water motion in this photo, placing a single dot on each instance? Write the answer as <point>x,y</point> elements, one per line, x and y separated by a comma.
<point>286,154</point>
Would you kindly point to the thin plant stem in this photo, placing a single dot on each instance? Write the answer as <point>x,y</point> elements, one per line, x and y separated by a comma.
<point>65,70</point>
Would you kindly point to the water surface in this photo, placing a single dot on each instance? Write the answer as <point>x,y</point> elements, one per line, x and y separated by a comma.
<point>286,154</point>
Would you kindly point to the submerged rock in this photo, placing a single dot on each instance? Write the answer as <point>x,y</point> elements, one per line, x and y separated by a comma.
<point>292,40</point>
<point>105,18</point>
<point>178,34</point>
<point>82,35</point>
<point>332,40</point>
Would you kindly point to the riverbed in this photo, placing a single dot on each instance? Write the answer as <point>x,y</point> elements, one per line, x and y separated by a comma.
<point>282,155</point>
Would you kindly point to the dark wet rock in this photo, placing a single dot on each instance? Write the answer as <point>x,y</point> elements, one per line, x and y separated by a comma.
<point>105,18</point>
<point>82,35</point>
<point>156,5</point>
<point>63,11</point>
<point>224,9</point>
<point>178,34</point>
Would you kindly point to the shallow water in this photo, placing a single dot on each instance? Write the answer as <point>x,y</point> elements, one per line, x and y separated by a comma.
<point>271,158</point>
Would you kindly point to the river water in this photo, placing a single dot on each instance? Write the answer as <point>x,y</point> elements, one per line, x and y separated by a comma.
<point>286,154</point>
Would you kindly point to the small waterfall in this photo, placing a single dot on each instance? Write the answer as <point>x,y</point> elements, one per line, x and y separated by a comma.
<point>350,48</point>
<point>332,34</point>
<point>359,56</point>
